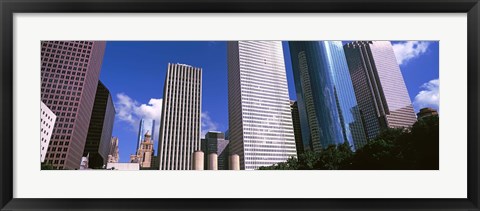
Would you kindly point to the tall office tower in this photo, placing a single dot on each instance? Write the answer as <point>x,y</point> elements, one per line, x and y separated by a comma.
<point>326,99</point>
<point>99,134</point>
<point>215,142</point>
<point>47,121</point>
<point>260,122</point>
<point>379,87</point>
<point>145,125</point>
<point>180,122</point>
<point>114,154</point>
<point>69,74</point>
<point>297,130</point>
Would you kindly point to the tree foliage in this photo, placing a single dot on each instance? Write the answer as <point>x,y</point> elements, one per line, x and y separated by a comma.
<point>400,149</point>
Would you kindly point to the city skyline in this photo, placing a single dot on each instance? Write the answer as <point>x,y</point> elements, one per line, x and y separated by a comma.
<point>145,63</point>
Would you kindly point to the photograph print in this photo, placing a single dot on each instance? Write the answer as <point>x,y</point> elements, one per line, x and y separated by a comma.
<point>239,105</point>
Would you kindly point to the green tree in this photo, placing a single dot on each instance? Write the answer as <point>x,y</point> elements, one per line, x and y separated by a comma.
<point>336,157</point>
<point>46,166</point>
<point>393,149</point>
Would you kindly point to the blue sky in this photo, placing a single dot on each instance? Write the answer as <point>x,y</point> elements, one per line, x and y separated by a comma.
<point>134,72</point>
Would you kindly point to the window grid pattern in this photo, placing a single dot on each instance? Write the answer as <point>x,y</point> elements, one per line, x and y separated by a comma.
<point>260,125</point>
<point>69,77</point>
<point>379,86</point>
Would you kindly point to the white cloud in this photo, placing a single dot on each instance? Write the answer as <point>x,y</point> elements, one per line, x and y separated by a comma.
<point>207,124</point>
<point>429,96</point>
<point>406,51</point>
<point>131,111</point>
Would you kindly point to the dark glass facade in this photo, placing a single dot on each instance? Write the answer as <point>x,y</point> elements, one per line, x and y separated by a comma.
<point>297,130</point>
<point>215,142</point>
<point>326,99</point>
<point>100,129</point>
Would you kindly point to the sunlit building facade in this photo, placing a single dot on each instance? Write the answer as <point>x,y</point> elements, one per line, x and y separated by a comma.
<point>180,122</point>
<point>47,122</point>
<point>146,125</point>
<point>260,121</point>
<point>379,87</point>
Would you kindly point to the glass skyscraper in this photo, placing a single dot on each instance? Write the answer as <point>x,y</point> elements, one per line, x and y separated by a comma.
<point>327,105</point>
<point>379,86</point>
<point>145,125</point>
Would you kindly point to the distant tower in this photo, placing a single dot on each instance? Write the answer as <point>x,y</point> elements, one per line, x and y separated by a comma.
<point>113,156</point>
<point>69,79</point>
<point>260,121</point>
<point>379,86</point>
<point>145,151</point>
<point>180,122</point>
<point>145,125</point>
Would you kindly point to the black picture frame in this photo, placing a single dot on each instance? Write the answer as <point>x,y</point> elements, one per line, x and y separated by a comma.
<point>9,7</point>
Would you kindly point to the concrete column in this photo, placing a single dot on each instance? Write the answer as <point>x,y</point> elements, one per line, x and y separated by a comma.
<point>234,162</point>
<point>212,161</point>
<point>197,161</point>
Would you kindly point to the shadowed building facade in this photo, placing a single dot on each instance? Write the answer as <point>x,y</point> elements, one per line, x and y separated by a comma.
<point>297,130</point>
<point>326,100</point>
<point>215,142</point>
<point>69,80</point>
<point>180,121</point>
<point>379,87</point>
<point>99,135</point>
<point>260,121</point>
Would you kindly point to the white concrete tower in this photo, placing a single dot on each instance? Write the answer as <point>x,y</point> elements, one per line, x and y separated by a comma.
<point>180,122</point>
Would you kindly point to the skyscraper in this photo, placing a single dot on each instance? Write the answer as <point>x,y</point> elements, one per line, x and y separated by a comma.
<point>180,122</point>
<point>145,125</point>
<point>260,122</point>
<point>326,99</point>
<point>297,130</point>
<point>215,142</point>
<point>379,87</point>
<point>100,129</point>
<point>114,154</point>
<point>47,121</point>
<point>69,74</point>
